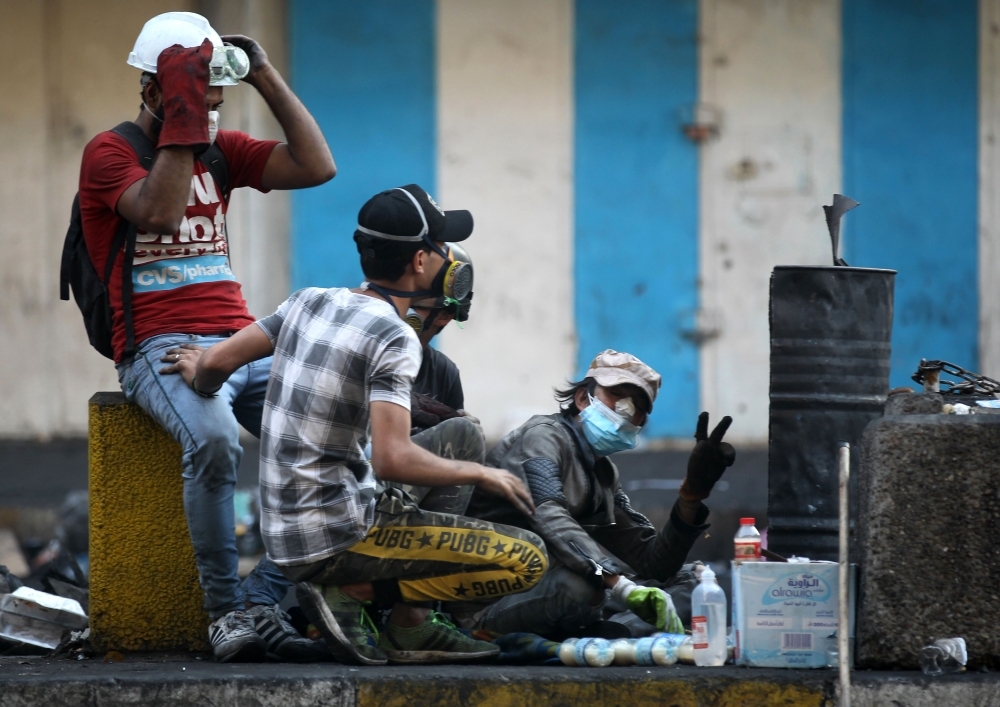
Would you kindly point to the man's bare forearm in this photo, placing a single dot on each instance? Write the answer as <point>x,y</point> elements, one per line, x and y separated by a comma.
<point>305,142</point>
<point>412,464</point>
<point>157,203</point>
<point>219,362</point>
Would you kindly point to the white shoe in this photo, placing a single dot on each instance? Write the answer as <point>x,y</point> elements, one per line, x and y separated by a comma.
<point>234,639</point>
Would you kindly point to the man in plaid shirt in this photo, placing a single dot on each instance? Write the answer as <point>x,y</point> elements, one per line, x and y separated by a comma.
<point>344,364</point>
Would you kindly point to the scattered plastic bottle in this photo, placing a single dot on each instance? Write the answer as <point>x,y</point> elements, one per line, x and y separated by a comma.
<point>567,651</point>
<point>945,655</point>
<point>595,652</point>
<point>747,542</point>
<point>624,649</point>
<point>656,650</point>
<point>708,621</point>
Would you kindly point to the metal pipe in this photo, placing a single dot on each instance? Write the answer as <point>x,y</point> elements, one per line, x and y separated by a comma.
<point>932,381</point>
<point>844,619</point>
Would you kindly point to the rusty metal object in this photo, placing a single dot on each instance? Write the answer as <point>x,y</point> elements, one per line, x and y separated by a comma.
<point>929,375</point>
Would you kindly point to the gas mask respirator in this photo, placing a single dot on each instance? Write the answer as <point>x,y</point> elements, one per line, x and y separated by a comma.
<point>453,280</point>
<point>414,319</point>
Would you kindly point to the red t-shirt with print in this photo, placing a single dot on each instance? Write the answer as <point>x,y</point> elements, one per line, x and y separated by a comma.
<point>181,282</point>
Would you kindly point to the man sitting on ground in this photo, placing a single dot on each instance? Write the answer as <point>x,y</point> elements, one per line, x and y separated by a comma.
<point>439,377</point>
<point>437,390</point>
<point>344,362</point>
<point>581,507</point>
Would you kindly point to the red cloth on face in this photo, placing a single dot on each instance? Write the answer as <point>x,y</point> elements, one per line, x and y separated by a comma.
<point>183,78</point>
<point>182,283</point>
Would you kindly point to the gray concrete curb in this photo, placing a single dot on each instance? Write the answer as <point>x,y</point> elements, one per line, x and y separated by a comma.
<point>171,681</point>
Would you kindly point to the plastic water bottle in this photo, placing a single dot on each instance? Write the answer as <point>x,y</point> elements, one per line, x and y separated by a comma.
<point>747,542</point>
<point>708,621</point>
<point>945,655</point>
<point>595,652</point>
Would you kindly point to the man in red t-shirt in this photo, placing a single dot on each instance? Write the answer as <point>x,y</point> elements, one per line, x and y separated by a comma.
<point>184,291</point>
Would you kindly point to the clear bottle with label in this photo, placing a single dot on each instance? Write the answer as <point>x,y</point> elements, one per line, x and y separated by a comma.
<point>747,542</point>
<point>708,621</point>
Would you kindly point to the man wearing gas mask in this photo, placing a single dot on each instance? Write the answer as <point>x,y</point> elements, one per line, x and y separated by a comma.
<point>342,373</point>
<point>581,507</point>
<point>437,394</point>
<point>153,199</point>
<point>439,378</point>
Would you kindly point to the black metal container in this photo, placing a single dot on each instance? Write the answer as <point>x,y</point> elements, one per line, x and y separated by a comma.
<point>831,331</point>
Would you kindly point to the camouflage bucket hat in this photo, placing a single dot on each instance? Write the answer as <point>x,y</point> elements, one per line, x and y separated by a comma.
<point>610,368</point>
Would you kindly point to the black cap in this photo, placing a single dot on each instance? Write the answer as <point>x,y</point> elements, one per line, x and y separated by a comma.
<point>393,214</point>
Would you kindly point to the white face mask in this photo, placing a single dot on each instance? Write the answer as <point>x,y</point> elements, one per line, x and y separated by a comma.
<point>213,125</point>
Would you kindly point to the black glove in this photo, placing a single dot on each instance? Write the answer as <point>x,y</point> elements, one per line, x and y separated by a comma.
<point>709,458</point>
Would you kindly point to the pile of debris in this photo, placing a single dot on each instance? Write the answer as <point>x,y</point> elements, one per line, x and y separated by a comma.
<point>44,592</point>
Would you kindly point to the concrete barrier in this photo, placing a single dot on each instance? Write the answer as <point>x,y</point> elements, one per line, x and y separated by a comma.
<point>144,591</point>
<point>928,535</point>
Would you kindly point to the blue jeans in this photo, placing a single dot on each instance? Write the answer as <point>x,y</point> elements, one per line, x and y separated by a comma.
<point>209,434</point>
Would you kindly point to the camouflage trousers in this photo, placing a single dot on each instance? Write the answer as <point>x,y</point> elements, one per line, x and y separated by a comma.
<point>415,555</point>
<point>457,438</point>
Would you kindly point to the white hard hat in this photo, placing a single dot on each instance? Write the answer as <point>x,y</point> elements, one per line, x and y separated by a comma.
<point>185,28</point>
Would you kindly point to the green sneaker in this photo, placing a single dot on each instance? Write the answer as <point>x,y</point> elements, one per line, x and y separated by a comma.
<point>436,640</point>
<point>345,625</point>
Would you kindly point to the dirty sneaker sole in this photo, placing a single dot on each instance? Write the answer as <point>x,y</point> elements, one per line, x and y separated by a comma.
<point>249,651</point>
<point>426,657</point>
<point>319,613</point>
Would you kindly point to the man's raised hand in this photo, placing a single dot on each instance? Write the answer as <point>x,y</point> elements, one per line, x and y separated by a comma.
<point>709,459</point>
<point>255,53</point>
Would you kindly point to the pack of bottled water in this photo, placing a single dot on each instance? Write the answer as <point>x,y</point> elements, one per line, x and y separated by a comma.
<point>785,614</point>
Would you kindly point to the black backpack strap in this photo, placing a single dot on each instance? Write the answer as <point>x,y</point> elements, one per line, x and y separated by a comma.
<point>126,234</point>
<point>116,245</point>
<point>140,143</point>
<point>127,290</point>
<point>215,162</point>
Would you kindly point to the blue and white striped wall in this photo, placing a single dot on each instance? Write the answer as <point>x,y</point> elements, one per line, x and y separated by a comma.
<point>599,224</point>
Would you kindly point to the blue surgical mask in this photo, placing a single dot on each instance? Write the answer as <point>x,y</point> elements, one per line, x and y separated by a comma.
<point>606,430</point>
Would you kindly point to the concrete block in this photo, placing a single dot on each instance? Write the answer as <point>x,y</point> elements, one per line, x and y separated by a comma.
<point>914,404</point>
<point>144,591</point>
<point>928,538</point>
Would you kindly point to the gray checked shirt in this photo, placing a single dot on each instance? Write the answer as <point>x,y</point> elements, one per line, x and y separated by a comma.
<point>334,352</point>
